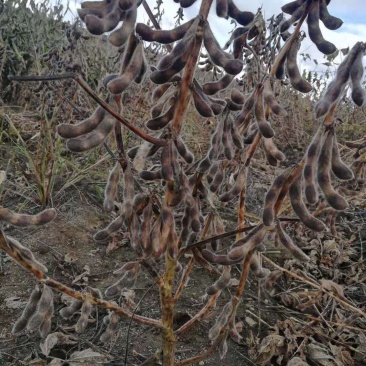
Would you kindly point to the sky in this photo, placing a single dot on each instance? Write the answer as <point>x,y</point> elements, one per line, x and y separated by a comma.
<point>352,12</point>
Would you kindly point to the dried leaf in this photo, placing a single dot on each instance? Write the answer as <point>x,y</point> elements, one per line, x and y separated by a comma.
<point>270,346</point>
<point>87,357</point>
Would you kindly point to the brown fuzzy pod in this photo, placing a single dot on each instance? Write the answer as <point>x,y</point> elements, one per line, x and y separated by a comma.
<point>183,150</point>
<point>214,87</point>
<point>242,17</point>
<point>150,175</point>
<point>295,16</point>
<point>336,88</point>
<point>163,36</point>
<point>17,219</point>
<point>217,180</point>
<point>82,322</point>
<point>217,54</point>
<point>257,268</point>
<point>120,36</point>
<point>159,91</point>
<point>222,8</point>
<point>186,224</point>
<point>26,254</point>
<point>139,202</point>
<point>195,216</point>
<point>273,151</point>
<point>221,283</point>
<point>158,108</point>
<point>94,138</point>
<point>126,281</point>
<point>232,105</point>
<point>358,93</point>
<point>292,6</point>
<point>329,21</point>
<point>297,82</point>
<point>300,208</point>
<point>70,310</point>
<point>66,131</point>
<point>221,321</point>
<point>251,241</point>
<point>288,243</point>
<point>45,327</point>
<point>167,163</point>
<point>324,166</point>
<point>272,196</point>
<point>44,306</point>
<point>312,154</point>
<point>112,327</point>
<point>28,311</point>
<point>212,171</point>
<point>227,141</point>
<point>237,187</point>
<point>186,3</point>
<point>271,101</point>
<point>126,4</point>
<point>163,120</point>
<point>237,97</point>
<point>115,225</point>
<point>315,33</point>
<point>339,168</point>
<point>218,258</point>
<point>263,126</point>
<point>110,191</point>
<point>236,138</point>
<point>132,70</point>
<point>247,108</point>
<point>201,104</point>
<point>146,224</point>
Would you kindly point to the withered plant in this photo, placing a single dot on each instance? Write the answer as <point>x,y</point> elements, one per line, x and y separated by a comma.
<point>173,207</point>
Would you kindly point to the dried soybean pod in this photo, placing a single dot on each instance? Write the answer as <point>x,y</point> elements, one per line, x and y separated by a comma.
<point>227,141</point>
<point>166,163</point>
<point>159,91</point>
<point>70,310</point>
<point>324,166</point>
<point>218,55</point>
<point>271,101</point>
<point>221,283</point>
<point>292,6</point>
<point>139,202</point>
<point>183,150</point>
<point>126,4</point>
<point>108,22</point>
<point>312,154</point>
<point>17,219</point>
<point>315,33</point>
<point>111,328</point>
<point>201,105</point>
<point>204,165</point>
<point>222,8</point>
<point>163,36</point>
<point>195,216</point>
<point>218,258</point>
<point>217,180</point>
<point>288,243</point>
<point>300,208</point>
<point>26,254</point>
<point>126,281</point>
<point>221,321</point>
<point>132,70</point>
<point>163,76</point>
<point>242,17</point>
<point>295,16</point>
<point>237,187</point>
<point>337,86</point>
<point>82,13</point>
<point>247,108</point>
<point>115,225</point>
<point>273,151</point>
<point>297,82</point>
<point>212,171</point>
<point>44,304</point>
<point>158,108</point>
<point>163,120</point>
<point>237,139</point>
<point>256,267</point>
<point>280,72</point>
<point>150,175</point>
<point>272,196</point>
<point>66,131</point>
<point>45,327</point>
<point>186,3</point>
<point>28,311</point>
<point>145,229</point>
<point>212,88</point>
<point>111,187</point>
<point>252,240</point>
<point>119,36</point>
<point>358,93</point>
<point>186,224</point>
<point>232,105</point>
<point>339,168</point>
<point>105,81</point>
<point>331,22</point>
<point>94,138</point>
<point>82,322</point>
<point>128,51</point>
<point>237,96</point>
<point>263,126</point>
